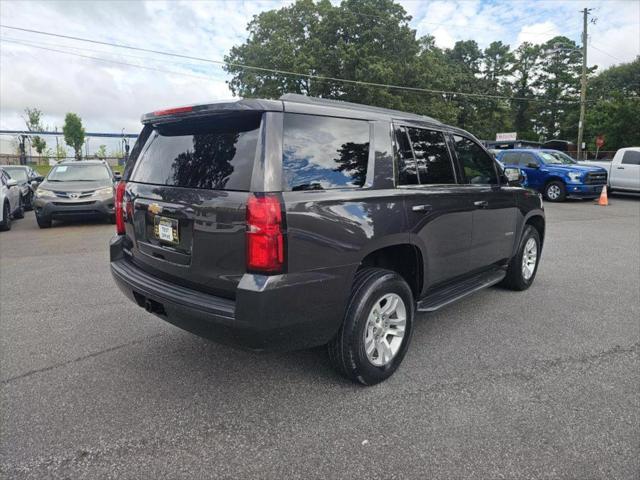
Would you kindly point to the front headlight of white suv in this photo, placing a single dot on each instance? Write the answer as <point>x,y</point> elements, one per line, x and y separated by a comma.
<point>575,177</point>
<point>103,191</point>
<point>41,192</point>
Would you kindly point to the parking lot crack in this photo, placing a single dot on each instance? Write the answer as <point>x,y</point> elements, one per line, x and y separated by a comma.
<point>78,359</point>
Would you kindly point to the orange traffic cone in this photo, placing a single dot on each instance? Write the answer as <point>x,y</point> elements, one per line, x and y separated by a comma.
<point>603,200</point>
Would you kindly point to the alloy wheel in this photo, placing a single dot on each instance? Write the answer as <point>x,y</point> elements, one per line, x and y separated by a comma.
<point>385,329</point>
<point>529,258</point>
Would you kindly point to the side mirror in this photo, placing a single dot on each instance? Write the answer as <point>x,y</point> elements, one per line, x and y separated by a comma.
<point>38,179</point>
<point>11,183</point>
<point>34,184</point>
<point>532,165</point>
<point>514,176</point>
<point>117,176</point>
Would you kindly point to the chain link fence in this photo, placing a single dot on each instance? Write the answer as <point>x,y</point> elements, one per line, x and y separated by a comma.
<point>12,159</point>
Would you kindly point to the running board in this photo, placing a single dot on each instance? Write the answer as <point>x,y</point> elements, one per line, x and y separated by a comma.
<point>451,293</point>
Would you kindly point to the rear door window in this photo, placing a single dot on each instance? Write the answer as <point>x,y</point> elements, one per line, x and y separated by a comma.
<point>324,152</point>
<point>631,157</point>
<point>478,166</point>
<point>423,157</point>
<point>212,153</point>
<point>432,157</point>
<point>511,158</point>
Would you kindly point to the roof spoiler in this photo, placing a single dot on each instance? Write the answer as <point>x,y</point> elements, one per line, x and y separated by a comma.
<point>227,106</point>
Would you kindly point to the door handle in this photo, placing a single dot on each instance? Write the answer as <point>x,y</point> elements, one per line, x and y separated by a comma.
<point>620,168</point>
<point>481,204</point>
<point>421,208</point>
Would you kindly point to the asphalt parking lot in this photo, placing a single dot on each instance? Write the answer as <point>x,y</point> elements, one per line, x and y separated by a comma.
<point>540,384</point>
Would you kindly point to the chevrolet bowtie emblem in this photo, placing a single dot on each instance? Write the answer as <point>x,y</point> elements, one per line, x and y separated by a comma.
<point>155,208</point>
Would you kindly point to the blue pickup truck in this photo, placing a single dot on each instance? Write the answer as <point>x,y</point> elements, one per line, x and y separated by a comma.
<point>555,174</point>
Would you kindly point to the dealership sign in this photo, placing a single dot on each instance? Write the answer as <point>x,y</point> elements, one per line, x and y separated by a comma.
<point>506,137</point>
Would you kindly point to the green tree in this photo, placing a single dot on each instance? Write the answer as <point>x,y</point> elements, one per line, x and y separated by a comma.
<point>372,41</point>
<point>362,40</point>
<point>74,133</point>
<point>101,152</point>
<point>525,73</point>
<point>32,121</point>
<point>61,152</point>
<point>495,114</point>
<point>615,109</point>
<point>559,86</point>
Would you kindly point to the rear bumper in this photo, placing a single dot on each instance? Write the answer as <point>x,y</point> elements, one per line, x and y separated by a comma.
<point>583,191</point>
<point>269,313</point>
<point>63,209</point>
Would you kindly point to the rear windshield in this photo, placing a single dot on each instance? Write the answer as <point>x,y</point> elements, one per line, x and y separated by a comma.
<point>213,153</point>
<point>78,173</point>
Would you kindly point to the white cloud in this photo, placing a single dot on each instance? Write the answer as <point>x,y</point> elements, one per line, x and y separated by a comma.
<point>537,32</point>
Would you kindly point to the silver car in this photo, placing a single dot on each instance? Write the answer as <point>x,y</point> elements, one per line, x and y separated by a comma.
<point>75,189</point>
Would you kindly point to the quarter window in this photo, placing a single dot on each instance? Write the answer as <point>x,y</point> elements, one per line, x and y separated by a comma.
<point>478,165</point>
<point>324,152</point>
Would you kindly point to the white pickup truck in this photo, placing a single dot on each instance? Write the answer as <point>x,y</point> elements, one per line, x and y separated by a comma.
<point>623,171</point>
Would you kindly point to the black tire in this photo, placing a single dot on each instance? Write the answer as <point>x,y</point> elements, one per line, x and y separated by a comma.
<point>28,204</point>
<point>43,222</point>
<point>515,279</point>
<point>609,190</point>
<point>111,219</point>
<point>550,191</point>
<point>347,350</point>
<point>6,217</point>
<point>19,213</point>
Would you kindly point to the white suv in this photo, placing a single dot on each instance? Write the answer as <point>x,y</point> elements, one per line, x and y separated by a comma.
<point>10,201</point>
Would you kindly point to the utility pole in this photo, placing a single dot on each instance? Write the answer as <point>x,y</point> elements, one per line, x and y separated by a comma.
<point>583,81</point>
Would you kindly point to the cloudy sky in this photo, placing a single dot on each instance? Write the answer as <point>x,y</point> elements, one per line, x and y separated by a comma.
<point>110,87</point>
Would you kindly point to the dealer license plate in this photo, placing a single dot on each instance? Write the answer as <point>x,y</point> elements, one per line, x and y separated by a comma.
<point>166,229</point>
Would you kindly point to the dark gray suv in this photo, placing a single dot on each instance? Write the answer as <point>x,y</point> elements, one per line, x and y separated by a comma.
<point>285,224</point>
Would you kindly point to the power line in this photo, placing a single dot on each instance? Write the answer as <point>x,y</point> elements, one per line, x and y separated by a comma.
<point>606,53</point>
<point>280,72</point>
<point>75,48</point>
<point>107,60</point>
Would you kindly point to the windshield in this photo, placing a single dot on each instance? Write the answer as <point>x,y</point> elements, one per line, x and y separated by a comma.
<point>557,158</point>
<point>18,174</point>
<point>78,173</point>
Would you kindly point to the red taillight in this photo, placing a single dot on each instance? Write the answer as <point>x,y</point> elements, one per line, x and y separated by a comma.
<point>173,111</point>
<point>120,207</point>
<point>265,236</point>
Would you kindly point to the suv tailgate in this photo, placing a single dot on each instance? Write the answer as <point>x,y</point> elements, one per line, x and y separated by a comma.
<point>187,198</point>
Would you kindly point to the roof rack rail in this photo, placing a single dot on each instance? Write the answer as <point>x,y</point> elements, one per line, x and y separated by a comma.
<point>298,98</point>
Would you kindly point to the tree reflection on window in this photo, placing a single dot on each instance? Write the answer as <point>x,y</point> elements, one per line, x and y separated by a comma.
<point>324,152</point>
<point>208,165</point>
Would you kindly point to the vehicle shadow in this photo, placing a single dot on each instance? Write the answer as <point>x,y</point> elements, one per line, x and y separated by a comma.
<point>187,360</point>
<point>79,221</point>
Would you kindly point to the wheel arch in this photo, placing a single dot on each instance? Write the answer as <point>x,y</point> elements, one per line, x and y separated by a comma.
<point>554,178</point>
<point>404,258</point>
<point>538,222</point>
